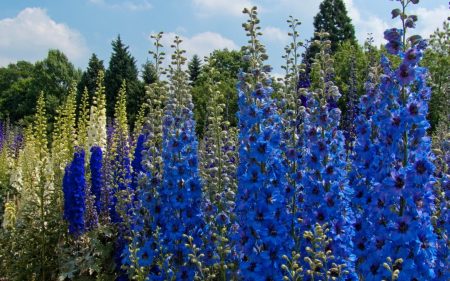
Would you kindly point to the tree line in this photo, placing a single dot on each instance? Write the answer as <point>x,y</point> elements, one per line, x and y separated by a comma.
<point>22,82</point>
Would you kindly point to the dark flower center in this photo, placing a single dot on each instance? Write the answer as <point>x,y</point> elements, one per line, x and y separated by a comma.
<point>374,268</point>
<point>420,167</point>
<point>399,182</point>
<point>413,109</point>
<point>403,227</point>
<point>330,170</point>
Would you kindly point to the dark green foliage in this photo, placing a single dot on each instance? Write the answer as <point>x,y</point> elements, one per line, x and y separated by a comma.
<point>148,73</point>
<point>89,77</point>
<point>89,257</point>
<point>437,59</point>
<point>227,63</point>
<point>333,19</point>
<point>53,76</point>
<point>195,68</point>
<point>21,83</point>
<point>16,102</point>
<point>122,66</point>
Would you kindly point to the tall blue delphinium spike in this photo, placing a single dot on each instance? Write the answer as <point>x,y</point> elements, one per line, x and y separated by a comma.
<point>402,203</point>
<point>261,213</point>
<point>107,171</point>
<point>180,192</point>
<point>348,119</point>
<point>326,193</point>
<point>119,179</point>
<point>365,165</point>
<point>96,166</point>
<point>143,254</point>
<point>136,164</point>
<point>74,194</point>
<point>131,258</point>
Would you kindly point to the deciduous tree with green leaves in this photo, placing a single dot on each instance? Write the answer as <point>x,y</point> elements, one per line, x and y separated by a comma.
<point>227,63</point>
<point>437,59</point>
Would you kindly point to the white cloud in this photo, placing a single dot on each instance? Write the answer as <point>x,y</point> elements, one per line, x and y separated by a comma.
<point>32,32</point>
<point>275,34</point>
<point>366,24</point>
<point>297,8</point>
<point>430,20</point>
<point>373,25</point>
<point>208,8</point>
<point>137,5</point>
<point>201,44</point>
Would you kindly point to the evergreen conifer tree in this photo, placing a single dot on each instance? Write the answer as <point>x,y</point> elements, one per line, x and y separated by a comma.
<point>122,66</point>
<point>89,77</point>
<point>333,19</point>
<point>194,67</point>
<point>149,73</point>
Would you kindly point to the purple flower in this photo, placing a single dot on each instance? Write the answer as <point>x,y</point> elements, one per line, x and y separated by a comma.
<point>405,74</point>
<point>412,56</point>
<point>393,34</point>
<point>394,47</point>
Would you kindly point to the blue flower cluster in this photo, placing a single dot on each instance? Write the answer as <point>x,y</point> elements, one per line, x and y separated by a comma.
<point>96,166</point>
<point>74,185</point>
<point>180,193</point>
<point>263,235</point>
<point>396,168</point>
<point>293,177</point>
<point>326,192</point>
<point>364,167</point>
<point>136,164</point>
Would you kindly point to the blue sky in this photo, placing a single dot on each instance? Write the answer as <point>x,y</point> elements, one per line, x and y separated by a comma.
<point>28,28</point>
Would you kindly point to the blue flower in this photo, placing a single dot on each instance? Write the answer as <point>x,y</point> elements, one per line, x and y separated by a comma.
<point>96,166</point>
<point>412,56</point>
<point>260,206</point>
<point>74,194</point>
<point>145,254</point>
<point>398,185</point>
<point>136,164</point>
<point>405,74</point>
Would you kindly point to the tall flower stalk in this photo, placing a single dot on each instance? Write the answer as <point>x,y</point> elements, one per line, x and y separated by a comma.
<point>326,193</point>
<point>181,191</point>
<point>401,191</point>
<point>218,160</point>
<point>261,214</point>
<point>74,185</point>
